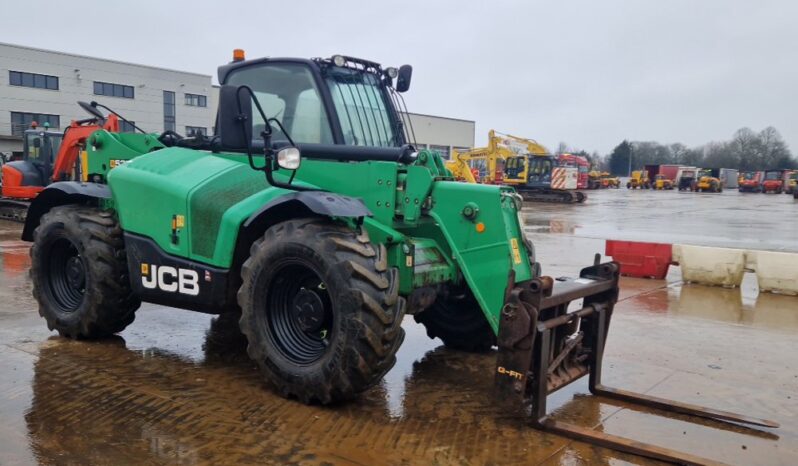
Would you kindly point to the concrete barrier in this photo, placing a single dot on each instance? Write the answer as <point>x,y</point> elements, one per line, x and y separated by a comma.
<point>710,266</point>
<point>775,271</point>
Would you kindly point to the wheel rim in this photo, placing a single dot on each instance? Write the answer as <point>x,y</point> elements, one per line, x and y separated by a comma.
<point>299,313</point>
<point>67,274</point>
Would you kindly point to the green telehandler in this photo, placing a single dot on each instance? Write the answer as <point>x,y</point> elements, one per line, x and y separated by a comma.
<point>311,213</point>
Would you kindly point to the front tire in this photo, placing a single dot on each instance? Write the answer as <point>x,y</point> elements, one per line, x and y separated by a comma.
<point>79,273</point>
<point>320,310</point>
<point>459,322</point>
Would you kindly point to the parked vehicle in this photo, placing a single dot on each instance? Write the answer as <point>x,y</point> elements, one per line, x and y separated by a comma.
<point>685,178</point>
<point>773,181</point>
<point>670,172</point>
<point>662,183</point>
<point>791,182</point>
<point>307,241</point>
<point>751,182</point>
<point>639,180</point>
<point>728,178</point>
<point>707,181</point>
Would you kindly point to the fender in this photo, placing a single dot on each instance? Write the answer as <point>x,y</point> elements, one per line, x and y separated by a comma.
<point>317,202</point>
<point>62,193</point>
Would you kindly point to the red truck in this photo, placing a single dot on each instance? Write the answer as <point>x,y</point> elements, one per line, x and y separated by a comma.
<point>751,182</point>
<point>773,181</point>
<point>582,166</point>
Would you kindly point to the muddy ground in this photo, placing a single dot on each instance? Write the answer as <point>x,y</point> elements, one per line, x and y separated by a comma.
<point>177,388</point>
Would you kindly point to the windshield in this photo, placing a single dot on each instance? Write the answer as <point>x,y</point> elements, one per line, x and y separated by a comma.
<point>361,106</point>
<point>748,175</point>
<point>773,176</point>
<point>37,144</point>
<point>288,93</point>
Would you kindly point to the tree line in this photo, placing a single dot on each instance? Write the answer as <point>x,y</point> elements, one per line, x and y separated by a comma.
<point>746,150</point>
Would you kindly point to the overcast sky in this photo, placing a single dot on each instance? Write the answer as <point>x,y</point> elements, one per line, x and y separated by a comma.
<point>586,72</point>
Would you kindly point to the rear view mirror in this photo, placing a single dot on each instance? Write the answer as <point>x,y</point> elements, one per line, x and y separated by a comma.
<point>234,120</point>
<point>405,73</point>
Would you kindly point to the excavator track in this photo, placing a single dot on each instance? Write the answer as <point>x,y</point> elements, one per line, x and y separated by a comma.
<point>554,196</point>
<point>13,210</point>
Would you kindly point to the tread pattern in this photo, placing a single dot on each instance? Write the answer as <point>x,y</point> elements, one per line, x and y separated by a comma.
<point>109,304</point>
<point>366,296</point>
<point>459,322</point>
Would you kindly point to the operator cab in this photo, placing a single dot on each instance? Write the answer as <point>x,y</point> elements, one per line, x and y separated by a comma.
<point>25,178</point>
<point>336,101</point>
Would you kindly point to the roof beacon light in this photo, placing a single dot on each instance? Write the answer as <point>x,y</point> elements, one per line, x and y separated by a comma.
<point>338,60</point>
<point>238,55</point>
<point>392,72</point>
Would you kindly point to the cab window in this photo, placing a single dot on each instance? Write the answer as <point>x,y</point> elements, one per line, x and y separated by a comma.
<point>288,93</point>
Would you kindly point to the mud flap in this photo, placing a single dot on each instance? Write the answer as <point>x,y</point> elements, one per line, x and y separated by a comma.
<point>543,347</point>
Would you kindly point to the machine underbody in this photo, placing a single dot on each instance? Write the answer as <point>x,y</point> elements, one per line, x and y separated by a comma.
<point>543,347</point>
<point>552,195</point>
<point>13,210</point>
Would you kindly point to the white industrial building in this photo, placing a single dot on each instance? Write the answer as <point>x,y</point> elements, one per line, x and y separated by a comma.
<point>44,86</point>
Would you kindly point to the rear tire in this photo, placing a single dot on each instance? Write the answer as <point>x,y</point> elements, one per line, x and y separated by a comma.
<point>80,275</point>
<point>320,310</point>
<point>459,322</point>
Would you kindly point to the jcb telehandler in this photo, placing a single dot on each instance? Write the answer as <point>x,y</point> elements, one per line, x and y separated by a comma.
<point>311,213</point>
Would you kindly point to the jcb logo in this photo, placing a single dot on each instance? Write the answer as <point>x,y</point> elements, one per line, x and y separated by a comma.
<point>170,279</point>
<point>501,370</point>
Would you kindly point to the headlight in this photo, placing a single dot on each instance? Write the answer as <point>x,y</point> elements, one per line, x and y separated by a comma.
<point>289,158</point>
<point>392,72</point>
<point>338,60</point>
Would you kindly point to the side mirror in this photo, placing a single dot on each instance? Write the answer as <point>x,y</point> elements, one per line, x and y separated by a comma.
<point>91,109</point>
<point>403,82</point>
<point>234,120</point>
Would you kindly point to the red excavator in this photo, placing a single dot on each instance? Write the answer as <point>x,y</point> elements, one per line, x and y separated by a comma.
<point>48,156</point>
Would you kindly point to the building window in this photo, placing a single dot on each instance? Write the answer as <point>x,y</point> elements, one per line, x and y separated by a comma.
<point>113,90</point>
<point>462,149</point>
<point>196,100</point>
<point>195,130</point>
<point>420,146</point>
<point>169,111</point>
<point>127,126</point>
<point>39,81</point>
<point>443,150</point>
<point>20,121</point>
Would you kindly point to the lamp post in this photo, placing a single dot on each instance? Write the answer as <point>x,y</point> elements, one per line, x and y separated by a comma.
<point>631,148</point>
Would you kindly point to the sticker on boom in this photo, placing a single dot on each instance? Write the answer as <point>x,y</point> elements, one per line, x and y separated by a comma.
<point>501,370</point>
<point>170,279</point>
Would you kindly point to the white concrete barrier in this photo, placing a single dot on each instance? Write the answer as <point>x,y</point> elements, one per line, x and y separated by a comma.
<point>775,271</point>
<point>710,266</point>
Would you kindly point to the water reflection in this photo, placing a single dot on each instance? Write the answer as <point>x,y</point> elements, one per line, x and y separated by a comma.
<point>729,305</point>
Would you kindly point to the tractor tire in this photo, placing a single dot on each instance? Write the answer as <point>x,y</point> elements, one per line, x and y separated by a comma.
<point>459,322</point>
<point>320,309</point>
<point>79,273</point>
<point>628,185</point>
<point>713,187</point>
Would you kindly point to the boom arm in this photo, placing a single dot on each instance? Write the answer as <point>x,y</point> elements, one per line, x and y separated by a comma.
<point>74,140</point>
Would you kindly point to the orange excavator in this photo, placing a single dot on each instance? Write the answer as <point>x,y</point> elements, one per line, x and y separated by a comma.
<point>47,157</point>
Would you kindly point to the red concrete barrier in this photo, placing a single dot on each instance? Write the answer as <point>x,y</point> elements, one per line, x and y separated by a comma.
<point>642,260</point>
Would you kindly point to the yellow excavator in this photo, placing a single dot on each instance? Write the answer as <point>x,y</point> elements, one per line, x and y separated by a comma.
<point>519,162</point>
<point>490,164</point>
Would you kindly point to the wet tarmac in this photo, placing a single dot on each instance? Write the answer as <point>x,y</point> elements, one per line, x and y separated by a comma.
<point>177,388</point>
